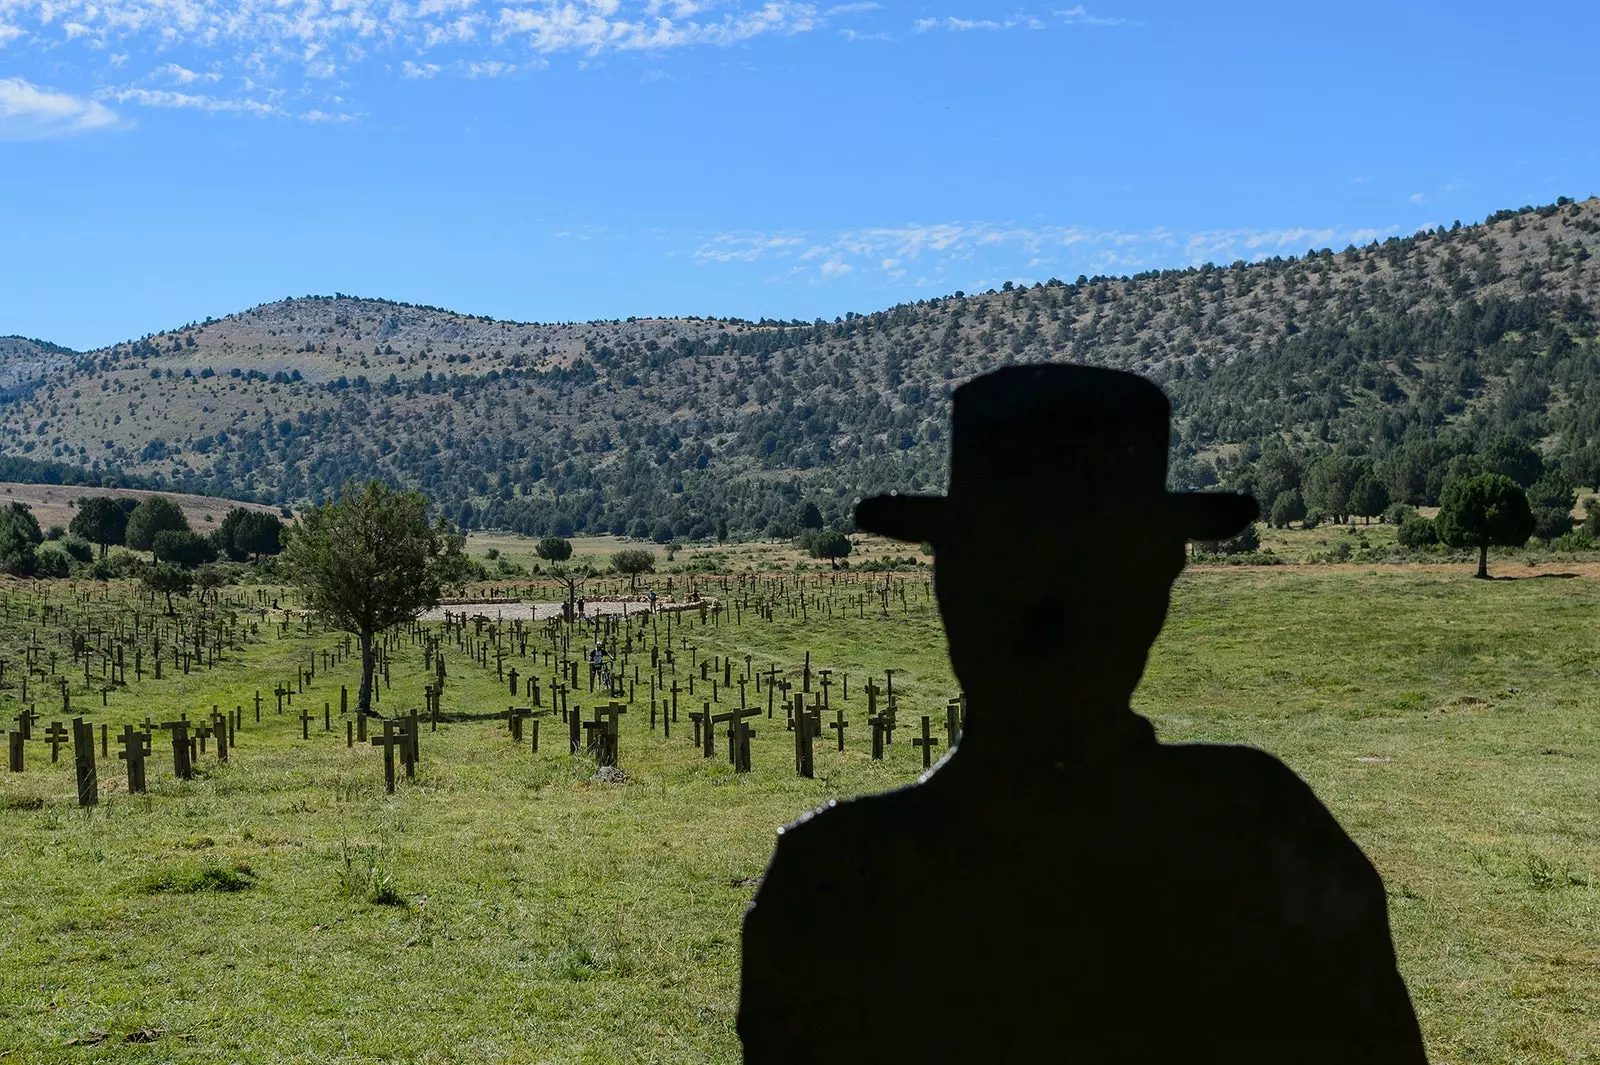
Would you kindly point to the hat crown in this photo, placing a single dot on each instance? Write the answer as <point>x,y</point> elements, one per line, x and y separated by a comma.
<point>1093,428</point>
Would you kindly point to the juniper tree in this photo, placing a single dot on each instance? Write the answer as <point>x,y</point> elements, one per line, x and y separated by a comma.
<point>633,562</point>
<point>153,515</point>
<point>370,560</point>
<point>100,520</point>
<point>1489,510</point>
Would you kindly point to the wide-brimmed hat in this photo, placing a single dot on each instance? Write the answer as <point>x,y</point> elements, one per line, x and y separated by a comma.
<point>1054,439</point>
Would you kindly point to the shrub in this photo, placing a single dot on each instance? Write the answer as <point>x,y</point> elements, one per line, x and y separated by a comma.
<point>77,549</point>
<point>52,560</point>
<point>1245,543</point>
<point>1397,513</point>
<point>1417,531</point>
<point>1576,540</point>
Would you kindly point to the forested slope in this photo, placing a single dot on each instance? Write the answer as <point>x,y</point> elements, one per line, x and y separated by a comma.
<point>1405,352</point>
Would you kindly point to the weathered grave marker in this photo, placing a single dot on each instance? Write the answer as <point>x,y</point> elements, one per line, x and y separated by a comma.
<point>135,747</point>
<point>926,742</point>
<point>83,759</point>
<point>55,736</point>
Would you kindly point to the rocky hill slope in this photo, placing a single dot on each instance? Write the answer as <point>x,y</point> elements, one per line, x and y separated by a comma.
<point>669,425</point>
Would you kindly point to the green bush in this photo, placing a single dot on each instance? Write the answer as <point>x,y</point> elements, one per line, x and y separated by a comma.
<point>79,550</point>
<point>1417,531</point>
<point>52,560</point>
<point>1574,541</point>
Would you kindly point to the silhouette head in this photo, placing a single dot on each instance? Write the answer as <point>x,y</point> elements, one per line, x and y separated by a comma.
<point>1057,542</point>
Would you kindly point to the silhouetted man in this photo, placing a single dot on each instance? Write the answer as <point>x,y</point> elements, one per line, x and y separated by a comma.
<point>1062,887</point>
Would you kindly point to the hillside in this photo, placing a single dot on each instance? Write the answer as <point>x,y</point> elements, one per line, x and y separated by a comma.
<point>636,425</point>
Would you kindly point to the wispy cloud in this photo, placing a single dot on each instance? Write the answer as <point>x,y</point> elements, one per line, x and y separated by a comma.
<point>188,101</point>
<point>953,253</point>
<point>28,112</point>
<point>283,42</point>
<point>1075,16</point>
<point>1081,17</point>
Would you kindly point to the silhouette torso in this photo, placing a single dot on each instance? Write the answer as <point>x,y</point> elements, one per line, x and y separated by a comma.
<point>1158,903</point>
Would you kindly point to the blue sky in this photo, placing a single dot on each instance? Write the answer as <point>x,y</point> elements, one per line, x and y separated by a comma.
<point>165,160</point>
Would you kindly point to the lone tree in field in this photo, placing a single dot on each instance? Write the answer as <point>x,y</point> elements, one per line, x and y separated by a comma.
<point>100,520</point>
<point>1485,511</point>
<point>554,549</point>
<point>633,562</point>
<point>370,560</point>
<point>832,546</point>
<point>154,515</point>
<point>164,578</point>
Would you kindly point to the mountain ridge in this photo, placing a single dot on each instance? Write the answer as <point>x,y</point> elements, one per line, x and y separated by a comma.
<point>672,423</point>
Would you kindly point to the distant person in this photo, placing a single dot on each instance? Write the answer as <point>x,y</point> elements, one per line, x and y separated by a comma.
<point>597,662</point>
<point>652,600</point>
<point>1063,887</point>
<point>580,607</point>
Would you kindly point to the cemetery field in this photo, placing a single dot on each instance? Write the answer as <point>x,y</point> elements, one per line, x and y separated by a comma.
<point>503,906</point>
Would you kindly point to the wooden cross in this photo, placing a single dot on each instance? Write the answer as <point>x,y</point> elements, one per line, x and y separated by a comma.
<point>739,742</point>
<point>388,742</point>
<point>926,742</point>
<point>839,724</point>
<point>734,719</point>
<point>182,767</point>
<point>515,715</point>
<point>952,722</point>
<point>305,724</point>
<point>873,691</point>
<point>804,724</point>
<point>83,759</point>
<point>55,735</point>
<point>135,747</point>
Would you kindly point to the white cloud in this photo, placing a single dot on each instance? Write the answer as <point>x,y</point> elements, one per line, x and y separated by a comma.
<point>951,254</point>
<point>278,42</point>
<point>955,24</point>
<point>28,112</point>
<point>187,101</point>
<point>1417,197</point>
<point>183,75</point>
<point>1079,16</point>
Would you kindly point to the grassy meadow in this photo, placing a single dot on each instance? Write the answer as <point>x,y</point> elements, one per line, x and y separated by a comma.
<point>504,907</point>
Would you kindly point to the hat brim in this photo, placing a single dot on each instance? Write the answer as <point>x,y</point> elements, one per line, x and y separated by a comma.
<point>1196,515</point>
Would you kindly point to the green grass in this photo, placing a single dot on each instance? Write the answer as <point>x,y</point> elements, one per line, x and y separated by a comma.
<point>504,908</point>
